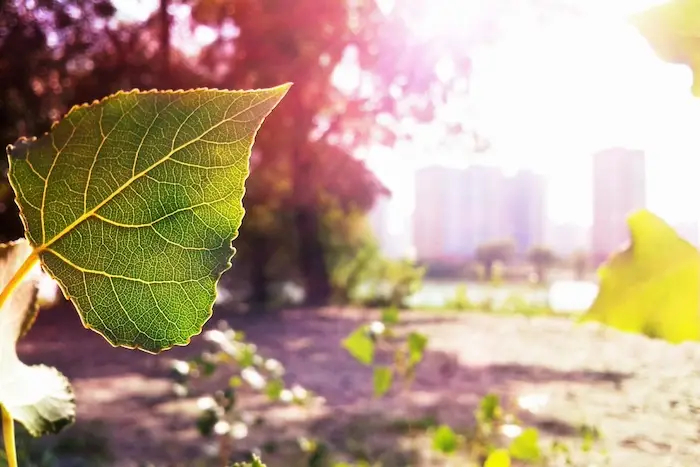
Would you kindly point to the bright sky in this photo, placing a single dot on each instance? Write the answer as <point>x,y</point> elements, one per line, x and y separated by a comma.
<point>548,97</point>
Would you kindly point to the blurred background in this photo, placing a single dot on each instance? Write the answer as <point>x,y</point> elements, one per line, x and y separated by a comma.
<point>442,154</point>
<point>428,130</point>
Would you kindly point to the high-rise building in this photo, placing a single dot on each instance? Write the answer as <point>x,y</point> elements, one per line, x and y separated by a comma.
<point>431,213</point>
<point>619,188</point>
<point>526,210</point>
<point>459,209</point>
<point>483,207</point>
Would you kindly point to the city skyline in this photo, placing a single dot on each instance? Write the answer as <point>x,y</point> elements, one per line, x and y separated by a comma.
<point>458,210</point>
<point>504,204</point>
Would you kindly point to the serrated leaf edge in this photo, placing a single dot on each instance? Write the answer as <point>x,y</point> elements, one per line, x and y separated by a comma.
<point>283,88</point>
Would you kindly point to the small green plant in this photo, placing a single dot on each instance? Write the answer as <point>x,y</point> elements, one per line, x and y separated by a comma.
<point>498,438</point>
<point>460,301</point>
<point>407,351</point>
<point>130,204</point>
<point>256,462</point>
<point>246,370</point>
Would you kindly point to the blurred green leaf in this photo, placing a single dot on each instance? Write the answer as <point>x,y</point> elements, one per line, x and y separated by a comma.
<point>255,463</point>
<point>390,315</point>
<point>360,346</point>
<point>416,347</point>
<point>37,396</point>
<point>274,388</point>
<point>498,458</point>
<point>673,31</point>
<point>490,409</point>
<point>445,440</point>
<point>652,287</point>
<point>383,377</point>
<point>526,446</point>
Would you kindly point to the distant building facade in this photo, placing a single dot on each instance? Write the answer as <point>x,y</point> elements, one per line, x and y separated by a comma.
<point>526,210</point>
<point>457,210</point>
<point>619,188</point>
<point>431,212</point>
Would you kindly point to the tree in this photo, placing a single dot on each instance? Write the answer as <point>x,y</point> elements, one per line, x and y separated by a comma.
<point>579,263</point>
<point>320,125</point>
<point>490,253</point>
<point>542,259</point>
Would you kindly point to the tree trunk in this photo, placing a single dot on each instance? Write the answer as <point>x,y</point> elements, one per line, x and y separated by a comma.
<point>488,270</point>
<point>165,23</point>
<point>259,296</point>
<point>311,257</point>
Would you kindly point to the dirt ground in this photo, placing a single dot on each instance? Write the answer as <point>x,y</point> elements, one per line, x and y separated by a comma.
<point>644,395</point>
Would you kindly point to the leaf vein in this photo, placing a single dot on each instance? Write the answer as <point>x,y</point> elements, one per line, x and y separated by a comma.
<point>115,276</point>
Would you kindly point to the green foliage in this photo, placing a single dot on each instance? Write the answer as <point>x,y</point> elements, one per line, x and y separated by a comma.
<point>390,315</point>
<point>498,458</point>
<point>39,397</point>
<point>360,273</point>
<point>445,440</point>
<point>671,29</point>
<point>460,301</point>
<point>360,345</point>
<point>81,445</point>
<point>526,446</point>
<point>247,370</point>
<point>256,462</point>
<point>416,347</point>
<point>489,254</point>
<point>542,259</point>
<point>408,352</point>
<point>382,379</point>
<point>133,201</point>
<point>651,287</point>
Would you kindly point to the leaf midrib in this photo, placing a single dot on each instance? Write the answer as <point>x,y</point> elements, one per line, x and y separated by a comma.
<point>45,245</point>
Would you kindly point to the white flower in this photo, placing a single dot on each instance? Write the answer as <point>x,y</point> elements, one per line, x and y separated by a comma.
<point>511,431</point>
<point>274,367</point>
<point>286,395</point>
<point>47,290</point>
<point>299,392</point>
<point>377,328</point>
<point>181,367</point>
<point>222,427</point>
<point>180,390</point>
<point>215,336</point>
<point>239,430</point>
<point>206,403</point>
<point>253,378</point>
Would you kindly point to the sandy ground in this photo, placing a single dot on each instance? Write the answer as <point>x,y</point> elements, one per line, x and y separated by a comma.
<point>644,395</point>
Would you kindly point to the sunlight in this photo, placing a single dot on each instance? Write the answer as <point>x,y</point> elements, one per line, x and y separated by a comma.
<point>549,95</point>
<point>446,18</point>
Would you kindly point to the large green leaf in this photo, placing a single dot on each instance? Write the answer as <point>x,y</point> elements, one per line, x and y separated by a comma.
<point>37,396</point>
<point>132,203</point>
<point>653,286</point>
<point>673,31</point>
